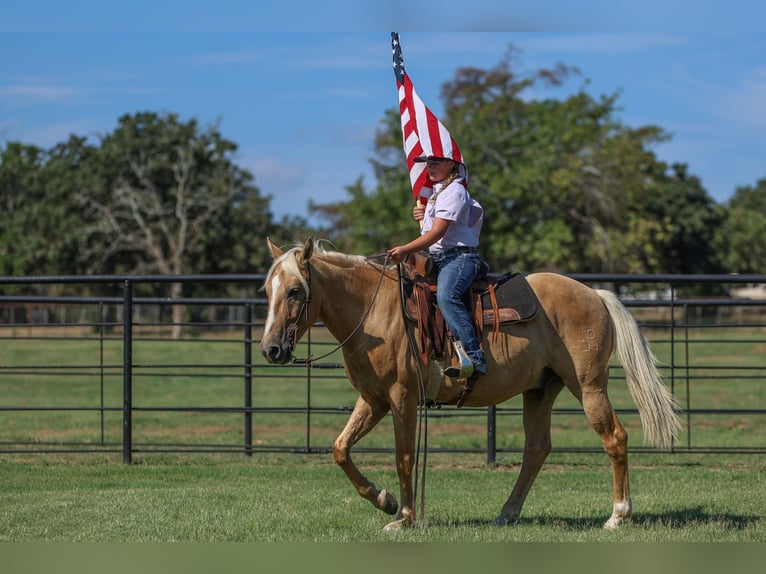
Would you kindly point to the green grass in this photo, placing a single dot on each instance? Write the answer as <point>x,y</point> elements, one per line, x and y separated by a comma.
<point>215,497</point>
<point>194,380</point>
<point>297,499</point>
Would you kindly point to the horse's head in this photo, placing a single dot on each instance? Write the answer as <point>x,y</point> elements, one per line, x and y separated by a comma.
<point>288,289</point>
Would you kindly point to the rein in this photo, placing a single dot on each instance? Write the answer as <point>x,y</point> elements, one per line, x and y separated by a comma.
<point>304,308</point>
<point>419,481</point>
<point>422,431</point>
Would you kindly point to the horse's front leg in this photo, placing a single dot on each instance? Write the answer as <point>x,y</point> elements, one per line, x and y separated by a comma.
<point>404,408</point>
<point>362,420</point>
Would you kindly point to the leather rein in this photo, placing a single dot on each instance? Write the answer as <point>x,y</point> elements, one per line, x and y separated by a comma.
<point>422,430</point>
<point>293,329</point>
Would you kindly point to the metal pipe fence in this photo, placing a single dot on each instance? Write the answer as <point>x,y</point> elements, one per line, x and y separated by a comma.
<point>101,373</point>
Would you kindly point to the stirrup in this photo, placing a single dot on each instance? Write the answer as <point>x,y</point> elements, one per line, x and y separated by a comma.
<point>467,389</point>
<point>464,368</point>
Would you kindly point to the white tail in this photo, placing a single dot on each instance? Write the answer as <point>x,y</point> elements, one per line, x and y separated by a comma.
<point>655,403</point>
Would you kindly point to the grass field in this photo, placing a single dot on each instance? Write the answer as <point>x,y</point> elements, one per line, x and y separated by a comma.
<point>299,499</point>
<point>272,497</point>
<point>186,378</point>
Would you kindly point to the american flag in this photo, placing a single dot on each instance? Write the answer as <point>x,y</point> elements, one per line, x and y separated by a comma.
<point>422,132</point>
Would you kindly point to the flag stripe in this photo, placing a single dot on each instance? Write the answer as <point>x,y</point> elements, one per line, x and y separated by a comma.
<point>422,132</point>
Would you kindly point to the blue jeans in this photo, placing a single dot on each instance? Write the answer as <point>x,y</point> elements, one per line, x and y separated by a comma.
<point>456,271</point>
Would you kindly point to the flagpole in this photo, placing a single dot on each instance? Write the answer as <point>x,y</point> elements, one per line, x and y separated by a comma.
<point>396,50</point>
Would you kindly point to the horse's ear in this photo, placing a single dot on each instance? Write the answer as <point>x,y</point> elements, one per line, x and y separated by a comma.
<point>276,252</point>
<point>308,250</point>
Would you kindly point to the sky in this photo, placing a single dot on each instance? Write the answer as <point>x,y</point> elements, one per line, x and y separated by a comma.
<point>303,104</point>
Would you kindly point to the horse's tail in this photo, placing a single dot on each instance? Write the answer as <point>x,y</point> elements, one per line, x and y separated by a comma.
<point>655,403</point>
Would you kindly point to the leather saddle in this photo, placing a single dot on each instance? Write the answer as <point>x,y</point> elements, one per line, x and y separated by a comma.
<point>492,301</point>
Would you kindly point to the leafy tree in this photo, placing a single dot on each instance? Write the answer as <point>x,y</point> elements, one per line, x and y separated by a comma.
<point>20,190</point>
<point>157,195</point>
<point>564,184</point>
<point>64,175</point>
<point>234,243</point>
<point>690,219</point>
<point>740,240</point>
<point>41,230</point>
<point>157,188</point>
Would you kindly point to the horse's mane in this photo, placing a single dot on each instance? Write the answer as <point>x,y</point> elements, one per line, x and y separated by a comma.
<point>289,260</point>
<point>323,250</point>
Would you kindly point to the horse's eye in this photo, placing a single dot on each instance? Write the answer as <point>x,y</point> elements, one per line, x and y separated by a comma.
<point>294,292</point>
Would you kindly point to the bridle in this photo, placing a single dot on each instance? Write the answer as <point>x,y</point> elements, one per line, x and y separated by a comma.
<point>292,330</point>
<point>422,429</point>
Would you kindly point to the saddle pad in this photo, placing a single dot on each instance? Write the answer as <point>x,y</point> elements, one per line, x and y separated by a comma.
<point>515,300</point>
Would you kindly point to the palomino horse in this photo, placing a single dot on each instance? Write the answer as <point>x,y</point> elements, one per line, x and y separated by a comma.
<point>568,343</point>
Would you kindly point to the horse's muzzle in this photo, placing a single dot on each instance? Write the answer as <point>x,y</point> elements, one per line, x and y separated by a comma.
<point>277,354</point>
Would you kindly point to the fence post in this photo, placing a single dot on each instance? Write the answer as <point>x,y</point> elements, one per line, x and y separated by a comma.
<point>687,377</point>
<point>127,373</point>
<point>491,434</point>
<point>101,334</point>
<point>308,391</point>
<point>248,379</point>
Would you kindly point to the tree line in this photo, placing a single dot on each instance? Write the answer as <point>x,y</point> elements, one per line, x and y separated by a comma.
<point>565,186</point>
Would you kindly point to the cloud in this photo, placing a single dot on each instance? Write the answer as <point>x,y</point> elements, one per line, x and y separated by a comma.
<point>274,174</point>
<point>53,133</point>
<point>600,43</point>
<point>286,182</point>
<point>736,101</point>
<point>235,57</point>
<point>329,137</point>
<point>723,137</point>
<point>5,130</point>
<point>46,92</point>
<point>744,103</point>
<point>333,56</point>
<point>338,61</point>
<point>347,93</point>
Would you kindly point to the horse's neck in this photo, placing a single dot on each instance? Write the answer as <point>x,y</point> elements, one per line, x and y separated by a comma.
<point>351,296</point>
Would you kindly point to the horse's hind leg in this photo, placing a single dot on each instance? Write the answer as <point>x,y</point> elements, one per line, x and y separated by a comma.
<point>538,404</point>
<point>604,421</point>
<point>362,420</point>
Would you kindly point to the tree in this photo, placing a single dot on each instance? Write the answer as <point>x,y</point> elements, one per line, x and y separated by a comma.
<point>20,190</point>
<point>740,240</point>
<point>154,186</point>
<point>690,221</point>
<point>564,184</point>
<point>41,228</point>
<point>64,174</point>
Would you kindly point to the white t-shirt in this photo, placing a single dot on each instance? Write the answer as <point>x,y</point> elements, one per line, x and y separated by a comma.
<point>454,204</point>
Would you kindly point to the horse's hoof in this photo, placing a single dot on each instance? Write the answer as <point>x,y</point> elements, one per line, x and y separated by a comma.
<point>387,502</point>
<point>614,523</point>
<point>620,514</point>
<point>504,520</point>
<point>397,525</point>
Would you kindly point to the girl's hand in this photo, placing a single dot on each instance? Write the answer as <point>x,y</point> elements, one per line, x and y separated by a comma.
<point>398,253</point>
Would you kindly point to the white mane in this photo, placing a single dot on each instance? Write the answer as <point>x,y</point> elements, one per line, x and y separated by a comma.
<point>289,261</point>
